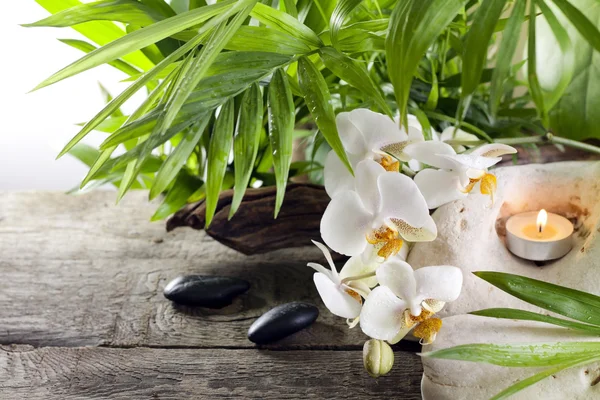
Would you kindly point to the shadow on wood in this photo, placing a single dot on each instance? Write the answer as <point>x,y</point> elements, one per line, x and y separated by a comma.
<point>253,230</point>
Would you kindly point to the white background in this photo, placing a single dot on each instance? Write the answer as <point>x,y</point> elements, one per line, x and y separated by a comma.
<point>35,126</point>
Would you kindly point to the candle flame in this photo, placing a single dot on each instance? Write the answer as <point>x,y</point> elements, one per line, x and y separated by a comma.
<point>542,219</point>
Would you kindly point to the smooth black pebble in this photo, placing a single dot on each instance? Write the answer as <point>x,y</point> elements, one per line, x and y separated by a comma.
<point>205,291</point>
<point>282,321</point>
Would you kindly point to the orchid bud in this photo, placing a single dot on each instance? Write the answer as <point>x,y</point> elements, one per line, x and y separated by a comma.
<point>378,357</point>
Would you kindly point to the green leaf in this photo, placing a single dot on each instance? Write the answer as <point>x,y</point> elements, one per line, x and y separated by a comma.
<point>355,74</point>
<point>567,59</point>
<point>585,27</point>
<point>285,23</point>
<point>525,383</point>
<point>509,313</point>
<point>571,303</point>
<point>475,52</point>
<point>414,26</point>
<point>341,11</point>
<point>190,77</point>
<point>574,116</point>
<point>88,48</point>
<point>141,38</point>
<point>508,46</point>
<point>519,355</point>
<point>177,158</point>
<point>534,85</point>
<point>85,153</point>
<point>281,131</point>
<point>125,11</point>
<point>318,100</point>
<point>99,32</point>
<point>259,38</point>
<point>161,6</point>
<point>127,93</point>
<point>246,142</point>
<point>183,188</point>
<point>218,154</point>
<point>290,7</point>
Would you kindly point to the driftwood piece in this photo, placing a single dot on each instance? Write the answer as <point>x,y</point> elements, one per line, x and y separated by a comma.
<point>149,373</point>
<point>253,230</point>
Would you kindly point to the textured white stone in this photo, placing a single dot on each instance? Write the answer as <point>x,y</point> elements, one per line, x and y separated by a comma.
<point>471,237</point>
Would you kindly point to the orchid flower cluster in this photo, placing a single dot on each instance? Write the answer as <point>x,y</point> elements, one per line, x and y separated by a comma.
<point>375,214</point>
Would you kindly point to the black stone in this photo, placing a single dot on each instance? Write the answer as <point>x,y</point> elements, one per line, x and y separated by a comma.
<point>282,321</point>
<point>205,291</point>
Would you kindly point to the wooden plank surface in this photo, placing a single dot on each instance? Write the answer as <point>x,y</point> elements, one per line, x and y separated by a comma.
<point>79,271</point>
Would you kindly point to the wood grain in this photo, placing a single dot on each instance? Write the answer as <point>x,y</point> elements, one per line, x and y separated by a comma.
<point>79,271</point>
<point>143,373</point>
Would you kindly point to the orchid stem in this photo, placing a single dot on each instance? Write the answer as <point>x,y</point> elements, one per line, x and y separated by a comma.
<point>358,277</point>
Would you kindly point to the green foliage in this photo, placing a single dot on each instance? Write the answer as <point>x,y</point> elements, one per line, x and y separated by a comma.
<point>573,304</point>
<point>245,77</point>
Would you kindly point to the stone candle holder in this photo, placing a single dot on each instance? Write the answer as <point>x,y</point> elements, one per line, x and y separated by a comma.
<point>471,236</point>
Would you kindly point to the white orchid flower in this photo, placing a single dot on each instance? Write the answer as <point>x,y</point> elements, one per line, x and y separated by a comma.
<point>384,209</point>
<point>458,173</point>
<point>367,135</point>
<point>342,292</point>
<point>449,134</point>
<point>408,298</point>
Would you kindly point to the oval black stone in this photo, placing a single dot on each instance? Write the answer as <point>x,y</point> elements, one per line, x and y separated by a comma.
<point>205,291</point>
<point>282,321</point>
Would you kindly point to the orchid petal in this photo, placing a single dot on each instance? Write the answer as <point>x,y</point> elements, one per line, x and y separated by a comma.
<point>405,330</point>
<point>451,133</point>
<point>335,298</point>
<point>401,199</point>
<point>399,277</point>
<point>345,223</point>
<point>375,131</point>
<point>381,316</point>
<point>356,267</point>
<point>321,269</point>
<point>493,150</point>
<point>430,152</point>
<point>328,257</point>
<point>367,173</point>
<point>439,187</point>
<point>336,176</point>
<point>360,287</point>
<point>425,233</point>
<point>472,161</point>
<point>442,283</point>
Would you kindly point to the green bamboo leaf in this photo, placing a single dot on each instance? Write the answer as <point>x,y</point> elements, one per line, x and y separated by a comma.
<point>161,6</point>
<point>476,49</point>
<point>151,51</point>
<point>414,26</point>
<point>183,188</point>
<point>218,155</point>
<point>130,91</point>
<point>125,11</point>
<point>259,38</point>
<point>355,74</point>
<point>509,313</point>
<point>434,93</point>
<point>190,78</point>
<point>534,84</point>
<point>571,303</point>
<point>88,48</point>
<point>177,158</point>
<point>197,4</point>
<point>525,383</point>
<point>341,11</point>
<point>519,354</point>
<point>130,175</point>
<point>85,153</point>
<point>285,23</point>
<point>290,7</point>
<point>567,64</point>
<point>246,142</point>
<point>585,27</point>
<point>142,38</point>
<point>281,130</point>
<point>318,100</point>
<point>99,32</point>
<point>508,46</point>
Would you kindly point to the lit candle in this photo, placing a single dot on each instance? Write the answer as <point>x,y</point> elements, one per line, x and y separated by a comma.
<point>539,236</point>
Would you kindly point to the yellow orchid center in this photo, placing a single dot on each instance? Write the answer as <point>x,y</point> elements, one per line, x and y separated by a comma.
<point>389,164</point>
<point>428,330</point>
<point>386,240</point>
<point>488,184</point>
<point>354,295</point>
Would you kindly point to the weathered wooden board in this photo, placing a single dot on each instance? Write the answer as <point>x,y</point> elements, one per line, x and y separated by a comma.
<point>80,271</point>
<point>144,373</point>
